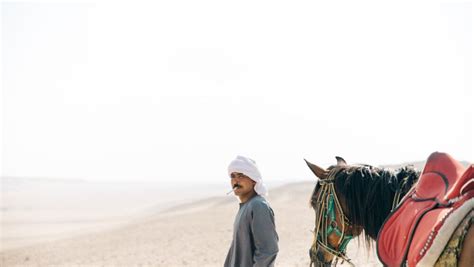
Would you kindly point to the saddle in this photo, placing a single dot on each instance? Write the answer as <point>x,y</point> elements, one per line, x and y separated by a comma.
<point>417,231</point>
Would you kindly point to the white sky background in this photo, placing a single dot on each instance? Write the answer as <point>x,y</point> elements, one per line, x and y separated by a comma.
<point>175,90</point>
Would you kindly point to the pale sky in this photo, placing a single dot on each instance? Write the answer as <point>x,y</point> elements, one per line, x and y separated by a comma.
<point>175,90</point>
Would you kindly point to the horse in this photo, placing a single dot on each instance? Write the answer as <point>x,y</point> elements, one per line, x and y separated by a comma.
<point>349,200</point>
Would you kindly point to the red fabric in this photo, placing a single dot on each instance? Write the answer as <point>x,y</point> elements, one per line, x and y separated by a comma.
<point>395,236</point>
<point>460,183</point>
<point>406,231</point>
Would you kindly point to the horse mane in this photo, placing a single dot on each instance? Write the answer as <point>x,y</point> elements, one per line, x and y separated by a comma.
<point>368,193</point>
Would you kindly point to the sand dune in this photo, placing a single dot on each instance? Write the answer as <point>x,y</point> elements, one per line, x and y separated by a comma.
<point>193,234</point>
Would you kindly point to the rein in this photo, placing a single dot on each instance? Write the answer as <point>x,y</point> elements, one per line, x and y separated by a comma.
<point>398,193</point>
<point>326,223</point>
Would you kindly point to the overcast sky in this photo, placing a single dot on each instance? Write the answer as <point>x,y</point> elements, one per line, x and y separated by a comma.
<point>175,90</point>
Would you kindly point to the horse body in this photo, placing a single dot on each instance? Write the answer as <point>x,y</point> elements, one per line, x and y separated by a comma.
<point>367,196</point>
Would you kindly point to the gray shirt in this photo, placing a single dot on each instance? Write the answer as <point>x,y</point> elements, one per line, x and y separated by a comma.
<point>255,240</point>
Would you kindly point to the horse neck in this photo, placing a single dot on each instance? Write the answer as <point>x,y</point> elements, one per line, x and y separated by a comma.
<point>373,198</point>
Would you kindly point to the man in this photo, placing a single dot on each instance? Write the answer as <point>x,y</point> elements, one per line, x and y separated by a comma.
<point>255,240</point>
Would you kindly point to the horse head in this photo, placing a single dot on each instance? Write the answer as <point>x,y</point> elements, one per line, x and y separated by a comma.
<point>333,228</point>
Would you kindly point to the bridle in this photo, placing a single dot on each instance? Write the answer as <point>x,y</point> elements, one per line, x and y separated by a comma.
<point>326,222</point>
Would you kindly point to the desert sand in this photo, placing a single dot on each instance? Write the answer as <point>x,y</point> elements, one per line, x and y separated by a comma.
<point>196,233</point>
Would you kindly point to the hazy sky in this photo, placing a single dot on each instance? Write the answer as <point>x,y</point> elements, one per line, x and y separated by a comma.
<point>175,90</point>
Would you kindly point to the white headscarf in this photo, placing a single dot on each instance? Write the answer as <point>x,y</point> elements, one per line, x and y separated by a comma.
<point>248,167</point>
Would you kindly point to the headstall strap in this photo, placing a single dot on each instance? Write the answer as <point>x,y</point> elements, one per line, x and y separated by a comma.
<point>328,203</point>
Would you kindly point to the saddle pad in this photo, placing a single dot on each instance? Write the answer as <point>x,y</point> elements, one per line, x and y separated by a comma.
<point>425,215</point>
<point>441,224</point>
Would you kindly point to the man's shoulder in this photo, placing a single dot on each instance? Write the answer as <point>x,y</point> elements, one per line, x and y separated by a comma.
<point>259,202</point>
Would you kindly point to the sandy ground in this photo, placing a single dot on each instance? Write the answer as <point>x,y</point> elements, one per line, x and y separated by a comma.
<point>193,234</point>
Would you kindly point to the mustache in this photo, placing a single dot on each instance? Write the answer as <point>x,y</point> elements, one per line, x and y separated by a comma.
<point>235,186</point>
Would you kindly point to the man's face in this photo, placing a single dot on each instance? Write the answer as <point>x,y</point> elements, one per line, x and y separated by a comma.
<point>242,184</point>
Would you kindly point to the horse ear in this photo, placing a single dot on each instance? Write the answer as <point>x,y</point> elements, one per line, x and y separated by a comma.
<point>318,171</point>
<point>340,161</point>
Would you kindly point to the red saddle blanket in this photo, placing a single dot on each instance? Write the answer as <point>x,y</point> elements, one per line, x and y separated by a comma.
<point>416,232</point>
